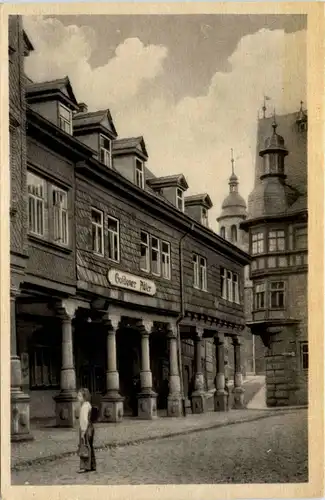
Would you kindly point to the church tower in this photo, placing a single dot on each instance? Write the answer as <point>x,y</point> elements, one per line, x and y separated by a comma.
<point>233,213</point>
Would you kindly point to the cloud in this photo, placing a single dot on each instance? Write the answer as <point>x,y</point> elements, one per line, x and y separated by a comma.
<point>194,135</point>
<point>66,50</point>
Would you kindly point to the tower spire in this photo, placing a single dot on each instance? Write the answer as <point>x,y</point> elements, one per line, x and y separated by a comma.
<point>232,162</point>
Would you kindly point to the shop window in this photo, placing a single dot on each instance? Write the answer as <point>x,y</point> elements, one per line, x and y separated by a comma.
<point>60,215</point>
<point>165,259</point>
<point>113,239</point>
<point>139,173</point>
<point>97,227</point>
<point>36,188</point>
<point>155,256</point>
<point>257,243</point>
<point>304,355</point>
<point>277,291</point>
<point>276,241</point>
<point>44,367</point>
<point>105,150</point>
<point>259,296</point>
<point>65,119</point>
<point>144,258</point>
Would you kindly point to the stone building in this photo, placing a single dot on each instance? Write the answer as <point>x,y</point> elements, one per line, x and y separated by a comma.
<point>277,228</point>
<point>233,212</point>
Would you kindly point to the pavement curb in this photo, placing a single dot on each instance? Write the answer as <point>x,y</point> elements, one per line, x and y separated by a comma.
<point>51,458</point>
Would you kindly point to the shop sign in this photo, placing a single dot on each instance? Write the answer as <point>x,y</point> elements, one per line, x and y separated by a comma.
<point>131,282</point>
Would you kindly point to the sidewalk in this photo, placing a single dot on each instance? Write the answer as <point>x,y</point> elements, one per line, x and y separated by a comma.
<point>52,443</point>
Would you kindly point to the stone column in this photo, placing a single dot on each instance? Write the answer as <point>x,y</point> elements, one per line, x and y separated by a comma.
<point>147,398</point>
<point>19,401</point>
<point>238,389</point>
<point>174,401</point>
<point>198,396</point>
<point>67,405</point>
<point>220,396</point>
<point>112,402</point>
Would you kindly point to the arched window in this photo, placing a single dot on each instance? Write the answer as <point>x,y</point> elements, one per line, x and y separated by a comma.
<point>223,232</point>
<point>234,233</point>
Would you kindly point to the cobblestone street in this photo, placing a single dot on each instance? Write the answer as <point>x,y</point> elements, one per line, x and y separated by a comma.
<point>269,450</point>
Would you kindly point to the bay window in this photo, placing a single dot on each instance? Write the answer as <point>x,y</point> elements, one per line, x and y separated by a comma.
<point>277,289</point>
<point>257,243</point>
<point>276,241</point>
<point>260,296</point>
<point>60,215</point>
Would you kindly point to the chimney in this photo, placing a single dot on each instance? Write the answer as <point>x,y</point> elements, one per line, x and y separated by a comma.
<point>83,108</point>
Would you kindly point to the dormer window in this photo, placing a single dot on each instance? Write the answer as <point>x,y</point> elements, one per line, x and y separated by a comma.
<point>105,151</point>
<point>139,174</point>
<point>65,119</point>
<point>180,199</point>
<point>204,217</point>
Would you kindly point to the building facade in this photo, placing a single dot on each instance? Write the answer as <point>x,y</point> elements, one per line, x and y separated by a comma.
<point>122,285</point>
<point>277,228</point>
<point>233,212</point>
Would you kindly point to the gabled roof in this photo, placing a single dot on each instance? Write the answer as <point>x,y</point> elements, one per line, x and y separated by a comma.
<point>199,199</point>
<point>129,145</point>
<point>93,119</point>
<point>35,91</point>
<point>168,181</point>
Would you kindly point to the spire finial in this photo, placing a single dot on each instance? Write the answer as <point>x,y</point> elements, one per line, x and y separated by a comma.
<point>301,103</point>
<point>232,161</point>
<point>274,123</point>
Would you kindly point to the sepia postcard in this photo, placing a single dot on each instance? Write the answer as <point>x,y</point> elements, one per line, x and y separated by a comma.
<point>162,250</point>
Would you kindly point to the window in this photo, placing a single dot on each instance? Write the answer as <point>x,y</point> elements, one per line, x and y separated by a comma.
<point>223,232</point>
<point>105,151</point>
<point>301,238</point>
<point>277,294</point>
<point>60,215</point>
<point>144,258</point>
<point>257,243</point>
<point>180,199</point>
<point>165,259</point>
<point>113,239</point>
<point>65,122</point>
<point>229,286</point>
<point>224,283</point>
<point>276,241</point>
<point>36,188</point>
<point>139,176</point>
<point>260,296</point>
<point>155,256</point>
<point>304,355</point>
<point>234,234</point>
<point>203,273</point>
<point>235,288</point>
<point>97,225</point>
<point>199,272</point>
<point>44,367</point>
<point>204,217</point>
<point>196,271</point>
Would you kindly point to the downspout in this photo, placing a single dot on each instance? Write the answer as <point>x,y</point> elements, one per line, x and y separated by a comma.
<point>181,315</point>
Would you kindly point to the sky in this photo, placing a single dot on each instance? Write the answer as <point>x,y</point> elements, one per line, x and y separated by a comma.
<point>191,85</point>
